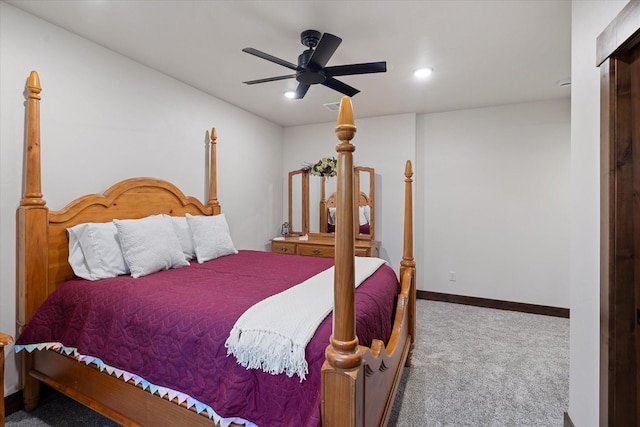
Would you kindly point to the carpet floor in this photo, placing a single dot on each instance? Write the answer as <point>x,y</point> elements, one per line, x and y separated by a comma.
<point>472,366</point>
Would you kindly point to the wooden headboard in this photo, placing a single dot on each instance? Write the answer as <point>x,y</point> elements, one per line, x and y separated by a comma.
<point>42,234</point>
<point>131,199</point>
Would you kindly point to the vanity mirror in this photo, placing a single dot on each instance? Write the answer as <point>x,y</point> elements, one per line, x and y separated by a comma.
<point>317,223</point>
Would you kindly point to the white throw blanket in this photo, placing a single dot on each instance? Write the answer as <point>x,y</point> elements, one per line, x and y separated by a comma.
<point>272,335</point>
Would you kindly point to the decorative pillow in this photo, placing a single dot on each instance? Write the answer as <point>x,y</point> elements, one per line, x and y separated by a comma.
<point>94,251</point>
<point>181,229</point>
<point>149,244</point>
<point>211,236</point>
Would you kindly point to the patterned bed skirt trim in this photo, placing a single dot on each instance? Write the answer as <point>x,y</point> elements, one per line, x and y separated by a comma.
<point>137,380</point>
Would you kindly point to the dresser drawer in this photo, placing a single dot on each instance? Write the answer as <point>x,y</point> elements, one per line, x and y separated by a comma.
<point>363,252</point>
<point>319,251</point>
<point>283,248</point>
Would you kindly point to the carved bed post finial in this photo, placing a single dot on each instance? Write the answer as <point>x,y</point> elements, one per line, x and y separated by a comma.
<point>407,254</point>
<point>213,177</point>
<point>342,352</point>
<point>32,194</point>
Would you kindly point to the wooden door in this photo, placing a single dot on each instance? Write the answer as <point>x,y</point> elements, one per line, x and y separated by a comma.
<point>619,60</point>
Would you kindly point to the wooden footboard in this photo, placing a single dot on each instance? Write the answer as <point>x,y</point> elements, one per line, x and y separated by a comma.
<point>358,383</point>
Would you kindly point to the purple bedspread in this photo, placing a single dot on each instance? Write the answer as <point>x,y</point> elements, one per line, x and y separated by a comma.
<point>170,328</point>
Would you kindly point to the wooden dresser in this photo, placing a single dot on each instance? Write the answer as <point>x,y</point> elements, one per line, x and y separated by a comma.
<point>321,246</point>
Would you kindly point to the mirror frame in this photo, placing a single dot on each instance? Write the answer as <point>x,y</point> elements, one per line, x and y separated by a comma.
<point>304,209</point>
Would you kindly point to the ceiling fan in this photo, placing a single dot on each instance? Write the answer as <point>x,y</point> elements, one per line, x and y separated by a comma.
<point>311,65</point>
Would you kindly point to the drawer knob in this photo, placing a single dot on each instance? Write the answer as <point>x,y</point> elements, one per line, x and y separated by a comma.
<point>284,249</point>
<point>316,251</point>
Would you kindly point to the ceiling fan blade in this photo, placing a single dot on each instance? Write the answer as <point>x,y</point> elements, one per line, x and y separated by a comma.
<point>301,91</point>
<point>324,51</point>
<point>340,87</point>
<point>365,68</point>
<point>270,79</point>
<point>271,58</point>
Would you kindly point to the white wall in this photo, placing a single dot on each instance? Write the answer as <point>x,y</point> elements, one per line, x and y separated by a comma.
<point>384,143</point>
<point>492,195</point>
<point>106,118</point>
<point>495,202</point>
<point>588,20</point>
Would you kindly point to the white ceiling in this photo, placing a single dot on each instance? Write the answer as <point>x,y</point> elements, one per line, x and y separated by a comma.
<point>483,52</point>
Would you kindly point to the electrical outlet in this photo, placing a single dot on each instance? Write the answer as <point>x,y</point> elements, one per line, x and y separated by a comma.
<point>452,276</point>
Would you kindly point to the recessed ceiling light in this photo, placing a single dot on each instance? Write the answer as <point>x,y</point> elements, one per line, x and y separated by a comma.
<point>423,72</point>
<point>290,94</point>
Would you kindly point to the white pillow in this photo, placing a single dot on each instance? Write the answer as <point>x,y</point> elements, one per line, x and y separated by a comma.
<point>94,251</point>
<point>149,244</point>
<point>211,236</point>
<point>181,229</point>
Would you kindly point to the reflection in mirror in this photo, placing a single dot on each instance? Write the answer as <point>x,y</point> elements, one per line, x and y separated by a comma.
<point>364,216</point>
<point>316,185</point>
<point>298,202</point>
<point>364,178</point>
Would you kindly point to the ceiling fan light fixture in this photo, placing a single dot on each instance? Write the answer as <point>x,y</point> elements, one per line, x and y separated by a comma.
<point>422,73</point>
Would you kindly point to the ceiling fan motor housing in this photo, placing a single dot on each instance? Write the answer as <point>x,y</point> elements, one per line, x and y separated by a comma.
<point>307,73</point>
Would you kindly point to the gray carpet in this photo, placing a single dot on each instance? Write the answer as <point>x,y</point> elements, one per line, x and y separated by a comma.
<point>472,366</point>
<point>483,367</point>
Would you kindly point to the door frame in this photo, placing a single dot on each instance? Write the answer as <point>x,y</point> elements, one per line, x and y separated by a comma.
<point>618,56</point>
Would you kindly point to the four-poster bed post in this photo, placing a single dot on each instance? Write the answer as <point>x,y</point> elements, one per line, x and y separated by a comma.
<point>359,383</point>
<point>32,235</point>
<point>213,174</point>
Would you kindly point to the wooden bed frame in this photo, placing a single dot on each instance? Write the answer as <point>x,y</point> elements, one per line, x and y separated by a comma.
<point>358,383</point>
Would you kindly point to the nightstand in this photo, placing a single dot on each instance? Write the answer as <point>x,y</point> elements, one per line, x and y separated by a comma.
<point>4,341</point>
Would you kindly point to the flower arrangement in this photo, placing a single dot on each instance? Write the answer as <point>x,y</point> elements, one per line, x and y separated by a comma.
<point>325,167</point>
